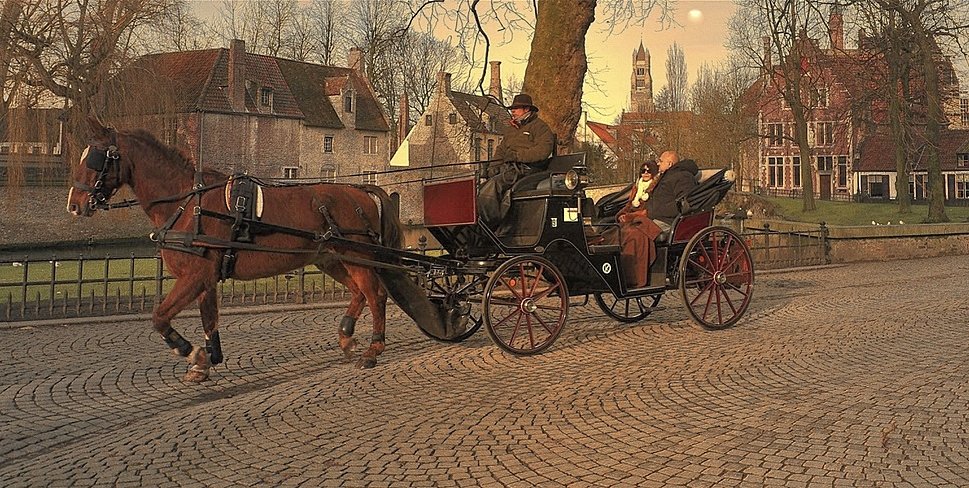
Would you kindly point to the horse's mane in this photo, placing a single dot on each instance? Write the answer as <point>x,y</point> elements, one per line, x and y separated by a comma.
<point>178,155</point>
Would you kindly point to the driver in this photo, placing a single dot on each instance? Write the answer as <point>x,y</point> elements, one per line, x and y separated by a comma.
<point>524,149</point>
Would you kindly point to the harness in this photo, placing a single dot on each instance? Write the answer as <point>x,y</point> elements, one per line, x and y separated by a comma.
<point>243,212</point>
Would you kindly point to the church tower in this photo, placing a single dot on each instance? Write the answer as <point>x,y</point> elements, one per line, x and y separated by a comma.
<point>641,89</point>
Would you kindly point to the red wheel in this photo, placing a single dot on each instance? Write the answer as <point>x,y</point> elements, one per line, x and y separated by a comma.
<point>716,277</point>
<point>525,305</point>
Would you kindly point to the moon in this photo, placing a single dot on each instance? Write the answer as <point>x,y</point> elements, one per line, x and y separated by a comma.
<point>695,16</point>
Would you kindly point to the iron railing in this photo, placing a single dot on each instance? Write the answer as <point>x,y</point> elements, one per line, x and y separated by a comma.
<point>51,288</point>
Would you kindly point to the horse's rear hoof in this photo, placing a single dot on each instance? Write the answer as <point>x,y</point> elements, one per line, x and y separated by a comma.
<point>195,375</point>
<point>367,363</point>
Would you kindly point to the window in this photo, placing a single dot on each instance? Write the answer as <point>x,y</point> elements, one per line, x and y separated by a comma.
<point>640,71</point>
<point>876,186</point>
<point>825,163</point>
<point>964,111</point>
<point>328,174</point>
<point>640,83</point>
<point>962,160</point>
<point>823,133</point>
<point>328,144</point>
<point>290,172</point>
<point>369,145</point>
<point>796,169</point>
<point>370,177</point>
<point>452,118</point>
<point>962,187</point>
<point>348,102</point>
<point>819,98</point>
<point>476,148</point>
<point>775,172</point>
<point>4,148</point>
<point>491,148</point>
<point>775,134</point>
<point>266,97</point>
<point>842,171</point>
<point>428,120</point>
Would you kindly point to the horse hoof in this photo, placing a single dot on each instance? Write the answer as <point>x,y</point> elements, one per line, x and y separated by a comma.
<point>349,349</point>
<point>367,363</point>
<point>196,375</point>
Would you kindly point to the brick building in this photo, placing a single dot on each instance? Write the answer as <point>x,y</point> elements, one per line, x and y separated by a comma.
<point>851,155</point>
<point>238,111</point>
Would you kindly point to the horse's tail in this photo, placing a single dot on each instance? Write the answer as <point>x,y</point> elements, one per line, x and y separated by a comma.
<point>409,296</point>
<point>391,230</point>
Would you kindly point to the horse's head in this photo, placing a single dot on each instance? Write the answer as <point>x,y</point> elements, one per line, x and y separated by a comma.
<point>97,175</point>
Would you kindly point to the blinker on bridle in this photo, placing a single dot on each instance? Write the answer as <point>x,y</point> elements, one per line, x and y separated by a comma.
<point>100,160</point>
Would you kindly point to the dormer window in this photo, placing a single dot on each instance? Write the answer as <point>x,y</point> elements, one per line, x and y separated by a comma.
<point>266,97</point>
<point>452,118</point>
<point>962,160</point>
<point>348,102</point>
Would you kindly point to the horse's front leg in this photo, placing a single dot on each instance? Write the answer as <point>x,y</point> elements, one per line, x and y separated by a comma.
<point>182,294</point>
<point>202,359</point>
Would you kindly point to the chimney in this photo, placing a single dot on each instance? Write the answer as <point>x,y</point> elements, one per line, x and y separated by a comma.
<point>355,60</point>
<point>403,120</point>
<point>836,29</point>
<point>495,89</point>
<point>444,83</point>
<point>237,75</point>
<point>768,63</point>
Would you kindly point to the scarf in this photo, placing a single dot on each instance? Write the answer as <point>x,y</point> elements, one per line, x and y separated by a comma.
<point>642,191</point>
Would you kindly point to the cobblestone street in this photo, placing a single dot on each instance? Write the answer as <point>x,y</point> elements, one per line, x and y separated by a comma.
<point>838,376</point>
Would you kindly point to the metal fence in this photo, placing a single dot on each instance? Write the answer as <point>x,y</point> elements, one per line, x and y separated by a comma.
<point>52,288</point>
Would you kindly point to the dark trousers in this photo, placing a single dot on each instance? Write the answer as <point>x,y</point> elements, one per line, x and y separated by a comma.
<point>494,196</point>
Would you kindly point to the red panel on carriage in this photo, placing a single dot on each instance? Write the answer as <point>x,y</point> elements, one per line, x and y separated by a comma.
<point>688,226</point>
<point>452,202</point>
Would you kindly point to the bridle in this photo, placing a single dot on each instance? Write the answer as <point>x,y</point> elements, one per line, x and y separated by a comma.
<point>104,162</point>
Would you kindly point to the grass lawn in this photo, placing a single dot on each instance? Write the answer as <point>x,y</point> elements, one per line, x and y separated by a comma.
<point>850,213</point>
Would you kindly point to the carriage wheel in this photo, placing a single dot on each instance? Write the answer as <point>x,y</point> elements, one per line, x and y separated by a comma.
<point>452,295</point>
<point>628,310</point>
<point>716,277</point>
<point>525,304</point>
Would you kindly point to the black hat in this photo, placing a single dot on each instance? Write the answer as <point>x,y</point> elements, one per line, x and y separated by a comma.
<point>523,100</point>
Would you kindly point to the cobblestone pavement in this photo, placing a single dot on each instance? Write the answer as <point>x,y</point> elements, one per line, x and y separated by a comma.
<point>841,376</point>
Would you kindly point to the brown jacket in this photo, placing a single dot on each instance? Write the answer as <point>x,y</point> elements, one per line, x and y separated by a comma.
<point>531,143</point>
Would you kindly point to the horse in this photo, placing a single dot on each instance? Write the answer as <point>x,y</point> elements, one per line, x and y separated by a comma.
<point>200,238</point>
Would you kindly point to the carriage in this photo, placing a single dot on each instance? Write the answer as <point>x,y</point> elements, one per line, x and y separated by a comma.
<point>518,280</point>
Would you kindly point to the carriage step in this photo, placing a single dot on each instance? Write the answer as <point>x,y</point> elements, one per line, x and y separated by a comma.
<point>604,249</point>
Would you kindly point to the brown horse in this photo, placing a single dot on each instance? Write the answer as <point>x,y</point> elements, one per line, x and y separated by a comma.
<point>195,241</point>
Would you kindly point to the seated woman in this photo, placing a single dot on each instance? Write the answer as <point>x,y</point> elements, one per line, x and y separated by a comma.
<point>636,231</point>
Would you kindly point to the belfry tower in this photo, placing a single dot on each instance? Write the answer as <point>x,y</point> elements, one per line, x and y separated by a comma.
<point>641,89</point>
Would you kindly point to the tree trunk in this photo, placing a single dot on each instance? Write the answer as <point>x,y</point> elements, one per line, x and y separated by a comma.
<point>799,114</point>
<point>900,137</point>
<point>933,127</point>
<point>557,64</point>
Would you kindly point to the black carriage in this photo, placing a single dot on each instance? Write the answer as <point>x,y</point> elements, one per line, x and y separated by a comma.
<point>517,279</point>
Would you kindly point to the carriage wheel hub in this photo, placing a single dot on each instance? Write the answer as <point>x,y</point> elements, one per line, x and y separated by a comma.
<point>528,306</point>
<point>720,277</point>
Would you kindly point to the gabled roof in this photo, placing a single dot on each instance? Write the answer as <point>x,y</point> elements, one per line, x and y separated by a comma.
<point>198,81</point>
<point>470,107</point>
<point>604,132</point>
<point>877,152</point>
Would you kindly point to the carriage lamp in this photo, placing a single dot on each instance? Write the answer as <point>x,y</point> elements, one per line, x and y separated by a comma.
<point>576,178</point>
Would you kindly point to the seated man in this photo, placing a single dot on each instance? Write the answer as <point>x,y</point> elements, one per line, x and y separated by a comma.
<point>676,179</point>
<point>524,149</point>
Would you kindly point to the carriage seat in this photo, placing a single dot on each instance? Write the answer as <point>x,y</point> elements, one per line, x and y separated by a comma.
<point>713,185</point>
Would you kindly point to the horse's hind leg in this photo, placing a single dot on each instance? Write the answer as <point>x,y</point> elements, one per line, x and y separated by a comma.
<point>202,359</point>
<point>373,290</point>
<point>357,300</point>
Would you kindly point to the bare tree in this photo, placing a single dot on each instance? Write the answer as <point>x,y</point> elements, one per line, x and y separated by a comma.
<point>765,31</point>
<point>176,29</point>
<point>69,48</point>
<point>927,22</point>
<point>321,21</point>
<point>720,124</point>
<point>676,78</point>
